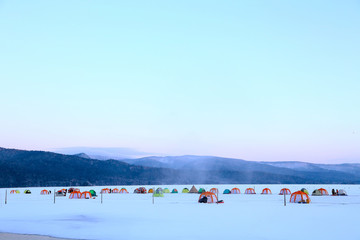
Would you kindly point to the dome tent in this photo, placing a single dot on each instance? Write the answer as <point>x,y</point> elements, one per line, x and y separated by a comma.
<point>166,190</point>
<point>85,195</point>
<point>44,192</point>
<point>174,190</point>
<point>75,195</point>
<point>202,190</point>
<point>27,191</point>
<point>323,191</point>
<point>105,190</point>
<point>193,190</point>
<point>158,192</point>
<point>214,190</point>
<point>305,191</point>
<point>235,191</point>
<point>14,191</point>
<point>211,197</point>
<point>227,191</point>
<point>93,193</point>
<point>285,190</point>
<point>123,190</point>
<point>250,191</point>
<point>185,190</point>
<point>151,190</point>
<point>141,190</point>
<point>266,191</point>
<point>316,192</point>
<point>342,192</point>
<point>115,190</point>
<point>299,197</point>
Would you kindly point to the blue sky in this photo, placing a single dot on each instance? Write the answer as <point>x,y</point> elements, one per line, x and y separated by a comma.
<point>258,80</point>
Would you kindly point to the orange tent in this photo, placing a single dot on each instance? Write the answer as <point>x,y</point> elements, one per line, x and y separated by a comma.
<point>123,190</point>
<point>323,191</point>
<point>151,190</point>
<point>211,197</point>
<point>235,191</point>
<point>266,191</point>
<point>85,195</point>
<point>44,192</point>
<point>214,190</point>
<point>299,197</point>
<point>115,190</point>
<point>105,190</point>
<point>75,195</point>
<point>250,191</point>
<point>285,190</point>
<point>13,191</point>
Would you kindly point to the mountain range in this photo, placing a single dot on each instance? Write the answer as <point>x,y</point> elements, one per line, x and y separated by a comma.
<point>20,168</point>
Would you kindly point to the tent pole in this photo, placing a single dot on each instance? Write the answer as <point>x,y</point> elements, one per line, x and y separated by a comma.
<point>5,196</point>
<point>153,195</point>
<point>54,195</point>
<point>284,198</point>
<point>101,196</point>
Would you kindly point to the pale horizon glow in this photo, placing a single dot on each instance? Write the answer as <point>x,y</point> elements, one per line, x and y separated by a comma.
<point>255,80</point>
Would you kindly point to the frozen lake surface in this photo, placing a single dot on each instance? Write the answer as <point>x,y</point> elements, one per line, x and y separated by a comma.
<point>180,216</point>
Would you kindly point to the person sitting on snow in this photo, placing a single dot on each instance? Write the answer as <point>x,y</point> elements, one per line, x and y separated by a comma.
<point>203,199</point>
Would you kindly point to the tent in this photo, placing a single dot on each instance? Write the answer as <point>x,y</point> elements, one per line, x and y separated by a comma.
<point>211,197</point>
<point>299,197</point>
<point>226,191</point>
<point>123,190</point>
<point>141,190</point>
<point>266,191</point>
<point>105,190</point>
<point>214,190</point>
<point>93,193</point>
<point>323,191</point>
<point>159,193</point>
<point>285,190</point>
<point>44,192</point>
<point>193,190</point>
<point>151,190</point>
<point>77,190</point>
<point>70,190</point>
<point>166,190</point>
<point>85,195</point>
<point>185,190</point>
<point>14,191</point>
<point>305,191</point>
<point>75,195</point>
<point>174,190</point>
<point>115,190</point>
<point>235,191</point>
<point>316,192</point>
<point>202,190</point>
<point>27,191</point>
<point>250,191</point>
<point>342,192</point>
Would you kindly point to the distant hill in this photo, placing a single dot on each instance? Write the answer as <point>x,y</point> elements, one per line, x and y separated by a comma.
<point>21,168</point>
<point>82,155</point>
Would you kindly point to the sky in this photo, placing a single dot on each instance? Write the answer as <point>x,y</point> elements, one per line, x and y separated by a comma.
<point>256,80</point>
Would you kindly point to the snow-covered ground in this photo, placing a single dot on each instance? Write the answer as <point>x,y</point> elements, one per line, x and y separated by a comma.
<point>179,216</point>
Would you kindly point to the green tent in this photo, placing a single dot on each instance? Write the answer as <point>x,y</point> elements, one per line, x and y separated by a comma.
<point>201,190</point>
<point>166,190</point>
<point>185,190</point>
<point>27,191</point>
<point>305,191</point>
<point>174,190</point>
<point>159,193</point>
<point>93,193</point>
<point>227,191</point>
